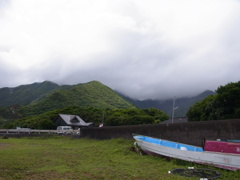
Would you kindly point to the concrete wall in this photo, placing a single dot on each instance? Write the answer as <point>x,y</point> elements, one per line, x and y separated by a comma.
<point>191,133</point>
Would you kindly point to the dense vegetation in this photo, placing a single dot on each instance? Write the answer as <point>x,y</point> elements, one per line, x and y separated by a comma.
<point>34,97</point>
<point>93,102</point>
<point>47,96</point>
<point>38,98</point>
<point>110,117</point>
<point>134,116</point>
<point>224,105</point>
<point>92,94</point>
<point>25,94</point>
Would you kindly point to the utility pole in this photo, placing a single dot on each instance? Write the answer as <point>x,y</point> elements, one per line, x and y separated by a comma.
<point>173,108</point>
<point>102,124</point>
<point>103,116</point>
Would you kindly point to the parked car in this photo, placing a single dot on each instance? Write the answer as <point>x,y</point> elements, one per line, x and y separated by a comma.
<point>64,130</point>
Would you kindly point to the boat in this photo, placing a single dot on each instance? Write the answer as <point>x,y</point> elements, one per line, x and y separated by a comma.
<point>155,146</point>
<point>224,146</point>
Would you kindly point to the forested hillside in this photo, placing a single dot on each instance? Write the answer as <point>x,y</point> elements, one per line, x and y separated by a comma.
<point>25,94</point>
<point>92,94</point>
<point>40,97</point>
<point>36,105</point>
<point>48,96</point>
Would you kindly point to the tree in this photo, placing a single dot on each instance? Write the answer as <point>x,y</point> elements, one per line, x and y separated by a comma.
<point>202,109</point>
<point>229,100</point>
<point>157,114</point>
<point>112,117</point>
<point>224,105</point>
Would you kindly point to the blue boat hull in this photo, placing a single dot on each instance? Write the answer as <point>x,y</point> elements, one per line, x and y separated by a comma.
<point>187,152</point>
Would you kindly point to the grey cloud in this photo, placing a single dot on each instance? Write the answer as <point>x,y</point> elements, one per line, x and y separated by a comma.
<point>137,57</point>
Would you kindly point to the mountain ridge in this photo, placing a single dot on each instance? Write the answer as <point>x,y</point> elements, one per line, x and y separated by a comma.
<point>91,94</point>
<point>49,95</point>
<point>183,104</point>
<point>25,94</point>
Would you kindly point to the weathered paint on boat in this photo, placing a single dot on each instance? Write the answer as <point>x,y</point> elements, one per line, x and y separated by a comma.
<point>187,152</point>
<point>222,146</point>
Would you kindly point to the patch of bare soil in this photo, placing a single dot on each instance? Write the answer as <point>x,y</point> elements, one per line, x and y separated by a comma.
<point>4,145</point>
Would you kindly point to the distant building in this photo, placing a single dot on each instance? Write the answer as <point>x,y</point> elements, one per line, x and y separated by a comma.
<point>71,120</point>
<point>175,120</point>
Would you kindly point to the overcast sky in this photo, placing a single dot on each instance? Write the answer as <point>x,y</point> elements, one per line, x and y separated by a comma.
<point>144,49</point>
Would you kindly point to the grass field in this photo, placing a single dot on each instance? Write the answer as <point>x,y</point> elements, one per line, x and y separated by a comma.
<point>66,158</point>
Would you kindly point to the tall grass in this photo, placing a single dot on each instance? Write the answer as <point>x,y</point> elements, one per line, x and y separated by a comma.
<point>66,158</point>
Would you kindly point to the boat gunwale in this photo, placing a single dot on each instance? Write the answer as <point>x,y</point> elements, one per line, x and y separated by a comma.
<point>178,143</point>
<point>208,152</point>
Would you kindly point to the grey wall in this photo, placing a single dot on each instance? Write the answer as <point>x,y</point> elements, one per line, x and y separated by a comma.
<point>191,133</point>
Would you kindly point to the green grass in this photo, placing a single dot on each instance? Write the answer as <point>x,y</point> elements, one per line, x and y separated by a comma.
<point>66,158</point>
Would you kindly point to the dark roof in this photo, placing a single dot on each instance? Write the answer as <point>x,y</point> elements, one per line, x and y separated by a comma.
<point>74,120</point>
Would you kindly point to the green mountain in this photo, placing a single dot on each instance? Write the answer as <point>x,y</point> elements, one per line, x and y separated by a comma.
<point>25,94</point>
<point>92,94</point>
<point>41,98</point>
<point>37,98</point>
